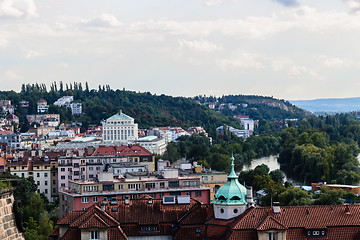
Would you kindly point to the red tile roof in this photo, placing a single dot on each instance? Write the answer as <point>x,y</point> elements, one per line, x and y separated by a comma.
<point>122,151</point>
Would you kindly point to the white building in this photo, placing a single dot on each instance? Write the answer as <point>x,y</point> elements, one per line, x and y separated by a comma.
<point>64,100</point>
<point>39,170</point>
<point>120,128</point>
<point>76,108</point>
<point>153,144</point>
<point>42,106</point>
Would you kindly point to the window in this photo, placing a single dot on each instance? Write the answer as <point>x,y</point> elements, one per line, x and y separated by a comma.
<point>46,191</point>
<point>37,174</point>
<point>45,174</point>
<point>197,193</point>
<point>62,169</point>
<point>150,185</point>
<point>272,236</point>
<point>134,186</point>
<point>76,165</point>
<point>76,173</point>
<point>91,168</point>
<point>45,183</point>
<point>54,190</point>
<point>38,183</point>
<point>173,184</point>
<point>85,200</point>
<point>63,185</point>
<point>22,174</point>
<point>62,177</point>
<point>149,228</point>
<point>95,199</point>
<point>54,182</point>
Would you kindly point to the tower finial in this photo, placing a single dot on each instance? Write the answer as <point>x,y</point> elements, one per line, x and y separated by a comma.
<point>232,173</point>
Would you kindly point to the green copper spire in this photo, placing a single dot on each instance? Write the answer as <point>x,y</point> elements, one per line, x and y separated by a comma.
<point>232,192</point>
<point>232,173</point>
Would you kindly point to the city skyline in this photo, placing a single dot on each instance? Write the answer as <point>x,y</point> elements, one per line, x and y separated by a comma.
<point>287,49</point>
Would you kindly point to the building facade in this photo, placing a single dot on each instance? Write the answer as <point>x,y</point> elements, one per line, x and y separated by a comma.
<point>120,128</point>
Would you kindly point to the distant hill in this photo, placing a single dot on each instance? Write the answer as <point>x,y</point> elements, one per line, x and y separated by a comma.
<point>150,109</point>
<point>330,105</point>
<point>256,107</point>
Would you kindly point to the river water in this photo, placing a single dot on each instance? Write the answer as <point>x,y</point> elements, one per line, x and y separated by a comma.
<point>270,161</point>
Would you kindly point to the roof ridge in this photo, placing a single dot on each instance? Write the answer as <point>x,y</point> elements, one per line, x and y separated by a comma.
<point>268,218</point>
<point>96,216</point>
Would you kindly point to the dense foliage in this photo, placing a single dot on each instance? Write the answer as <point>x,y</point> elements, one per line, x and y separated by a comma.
<point>38,214</point>
<point>147,109</point>
<point>322,149</point>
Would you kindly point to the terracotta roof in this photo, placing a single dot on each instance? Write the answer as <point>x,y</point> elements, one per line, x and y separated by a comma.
<point>268,223</point>
<point>303,216</point>
<point>94,221</point>
<point>141,212</point>
<point>122,151</point>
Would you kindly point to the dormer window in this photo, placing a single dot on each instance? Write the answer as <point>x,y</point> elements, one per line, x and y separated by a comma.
<point>273,236</point>
<point>149,228</point>
<point>94,235</point>
<point>222,198</point>
<point>316,233</point>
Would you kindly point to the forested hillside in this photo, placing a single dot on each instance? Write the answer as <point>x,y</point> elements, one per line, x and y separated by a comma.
<point>147,109</point>
<point>256,107</point>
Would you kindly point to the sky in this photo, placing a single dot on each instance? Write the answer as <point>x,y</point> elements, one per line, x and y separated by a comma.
<point>288,49</point>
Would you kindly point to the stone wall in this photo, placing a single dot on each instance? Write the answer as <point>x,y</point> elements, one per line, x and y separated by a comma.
<point>8,229</point>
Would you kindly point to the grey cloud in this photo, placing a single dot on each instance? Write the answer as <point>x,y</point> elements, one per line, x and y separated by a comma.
<point>354,5</point>
<point>288,3</point>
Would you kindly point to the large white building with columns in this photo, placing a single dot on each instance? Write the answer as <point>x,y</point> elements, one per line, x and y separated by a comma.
<point>120,128</point>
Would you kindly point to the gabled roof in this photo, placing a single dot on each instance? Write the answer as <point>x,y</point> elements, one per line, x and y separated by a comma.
<point>268,222</point>
<point>94,221</point>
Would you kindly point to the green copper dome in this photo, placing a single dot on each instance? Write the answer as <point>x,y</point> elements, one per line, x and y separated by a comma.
<point>232,192</point>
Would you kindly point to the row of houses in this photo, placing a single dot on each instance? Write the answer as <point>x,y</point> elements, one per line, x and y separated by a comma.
<point>231,215</point>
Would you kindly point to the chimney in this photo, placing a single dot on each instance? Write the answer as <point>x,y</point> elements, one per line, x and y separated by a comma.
<point>102,206</point>
<point>120,111</point>
<point>249,196</point>
<point>347,210</point>
<point>276,207</point>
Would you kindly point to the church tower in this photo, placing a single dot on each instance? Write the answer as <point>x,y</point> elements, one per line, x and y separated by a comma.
<point>230,199</point>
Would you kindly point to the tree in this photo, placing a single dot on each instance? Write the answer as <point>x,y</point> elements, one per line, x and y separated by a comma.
<point>330,197</point>
<point>277,175</point>
<point>294,196</point>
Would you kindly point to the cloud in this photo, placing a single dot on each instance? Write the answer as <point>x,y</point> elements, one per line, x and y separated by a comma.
<point>102,21</point>
<point>32,54</point>
<point>202,46</point>
<point>334,62</point>
<point>288,3</point>
<point>17,8</point>
<point>12,75</point>
<point>354,5</point>
<point>241,61</point>
<point>213,3</point>
<point>4,43</point>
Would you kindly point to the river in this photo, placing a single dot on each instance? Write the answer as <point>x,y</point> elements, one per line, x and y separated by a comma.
<point>270,161</point>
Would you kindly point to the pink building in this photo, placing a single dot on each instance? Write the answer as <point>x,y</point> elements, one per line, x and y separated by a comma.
<point>83,194</point>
